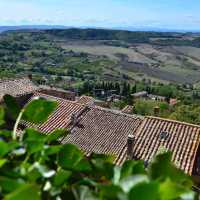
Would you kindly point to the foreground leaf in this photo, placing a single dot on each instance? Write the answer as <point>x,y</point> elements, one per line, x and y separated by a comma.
<point>9,185</point>
<point>27,191</point>
<point>61,177</point>
<point>56,135</point>
<point>69,156</point>
<point>162,168</point>
<point>39,110</point>
<point>145,191</point>
<point>12,106</point>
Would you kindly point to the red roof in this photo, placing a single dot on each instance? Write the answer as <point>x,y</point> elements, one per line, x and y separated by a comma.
<point>182,139</point>
<point>16,87</point>
<point>106,131</point>
<point>85,100</point>
<point>98,130</point>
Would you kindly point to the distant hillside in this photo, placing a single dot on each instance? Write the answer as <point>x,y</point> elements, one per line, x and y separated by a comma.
<point>29,27</point>
<point>76,55</point>
<point>104,34</point>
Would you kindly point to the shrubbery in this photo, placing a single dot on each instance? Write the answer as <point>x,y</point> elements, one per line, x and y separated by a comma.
<point>35,166</point>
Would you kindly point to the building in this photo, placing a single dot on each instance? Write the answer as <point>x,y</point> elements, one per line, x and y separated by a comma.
<point>125,136</point>
<point>57,92</point>
<point>118,133</point>
<point>86,100</point>
<point>92,128</point>
<point>157,97</point>
<point>138,95</point>
<point>182,139</point>
<point>16,87</point>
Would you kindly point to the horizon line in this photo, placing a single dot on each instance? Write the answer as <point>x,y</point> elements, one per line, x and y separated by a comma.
<point>144,28</point>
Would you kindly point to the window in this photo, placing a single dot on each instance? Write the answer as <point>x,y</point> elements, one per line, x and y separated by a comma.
<point>164,135</point>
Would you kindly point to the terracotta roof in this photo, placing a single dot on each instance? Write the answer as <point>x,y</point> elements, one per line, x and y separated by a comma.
<point>16,87</point>
<point>86,100</point>
<point>173,102</point>
<point>182,139</point>
<point>97,129</point>
<point>128,109</point>
<point>61,117</point>
<point>106,131</point>
<point>103,131</point>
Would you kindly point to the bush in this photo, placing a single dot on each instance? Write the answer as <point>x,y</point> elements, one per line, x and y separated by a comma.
<point>35,166</point>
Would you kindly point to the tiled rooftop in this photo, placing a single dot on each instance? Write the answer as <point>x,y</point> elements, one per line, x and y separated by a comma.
<point>85,100</point>
<point>98,130</point>
<point>16,87</point>
<point>128,109</point>
<point>103,131</point>
<point>106,131</point>
<point>182,139</point>
<point>61,117</point>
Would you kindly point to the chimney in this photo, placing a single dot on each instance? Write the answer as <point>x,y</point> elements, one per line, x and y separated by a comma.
<point>156,111</point>
<point>30,77</point>
<point>130,143</point>
<point>74,119</point>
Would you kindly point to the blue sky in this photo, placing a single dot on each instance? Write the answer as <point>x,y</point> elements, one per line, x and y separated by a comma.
<point>174,14</point>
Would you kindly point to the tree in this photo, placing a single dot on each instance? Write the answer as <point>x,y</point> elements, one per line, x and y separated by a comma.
<point>134,89</point>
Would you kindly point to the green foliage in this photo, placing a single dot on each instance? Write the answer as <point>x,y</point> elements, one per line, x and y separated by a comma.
<point>187,113</point>
<point>146,107</point>
<point>38,167</point>
<point>38,111</point>
<point>11,105</point>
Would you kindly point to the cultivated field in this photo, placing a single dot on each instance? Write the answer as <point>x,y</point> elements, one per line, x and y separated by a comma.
<point>179,64</point>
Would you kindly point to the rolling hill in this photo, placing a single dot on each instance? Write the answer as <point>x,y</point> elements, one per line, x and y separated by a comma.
<point>102,54</point>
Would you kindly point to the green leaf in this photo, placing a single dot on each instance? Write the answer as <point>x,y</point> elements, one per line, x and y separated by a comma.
<point>51,150</point>
<point>116,175</point>
<point>33,174</point>
<point>161,168</point>
<point>27,191</point>
<point>170,190</point>
<point>33,135</point>
<point>131,167</point>
<point>34,140</point>
<point>34,146</point>
<point>12,106</point>
<point>61,177</point>
<point>56,135</point>
<point>104,157</point>
<point>44,170</point>
<point>4,148</point>
<point>39,110</point>
<point>8,184</point>
<point>2,162</point>
<point>103,165</point>
<point>2,114</point>
<point>110,191</point>
<point>83,193</point>
<point>5,133</point>
<point>69,156</point>
<point>145,191</point>
<point>130,181</point>
<point>83,166</point>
